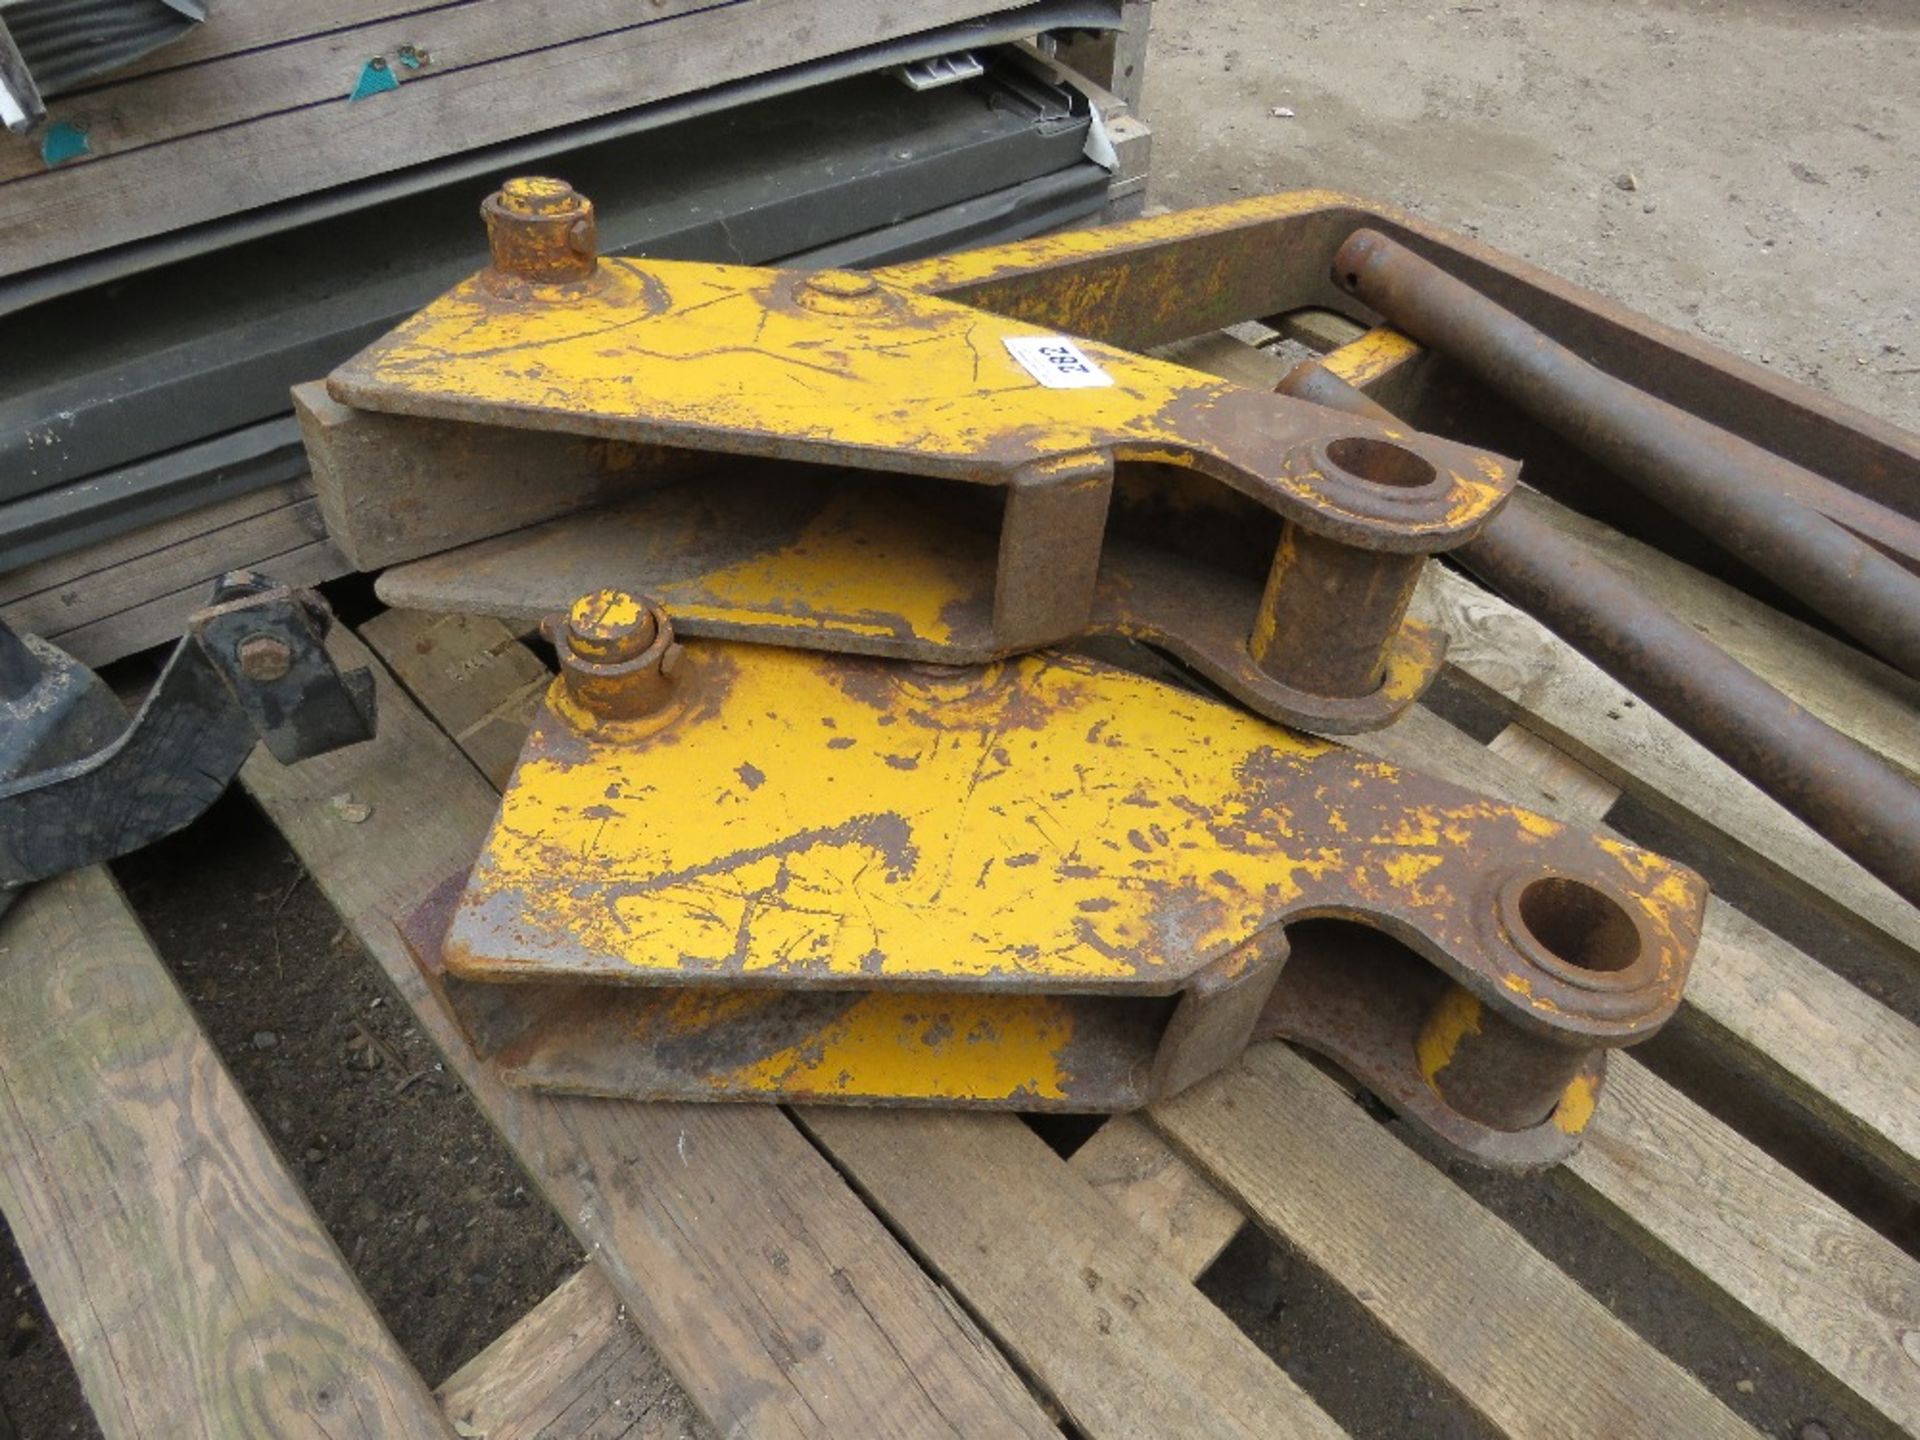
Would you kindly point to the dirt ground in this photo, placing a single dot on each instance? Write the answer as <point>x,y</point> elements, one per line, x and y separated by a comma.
<point>1740,168</point>
<point>1745,170</point>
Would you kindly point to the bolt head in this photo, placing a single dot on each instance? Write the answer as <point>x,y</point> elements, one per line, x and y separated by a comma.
<point>265,658</point>
<point>842,284</point>
<point>539,195</point>
<point>541,231</point>
<point>609,626</point>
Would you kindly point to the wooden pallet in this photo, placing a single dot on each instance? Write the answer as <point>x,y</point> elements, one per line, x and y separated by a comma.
<point>836,1272</point>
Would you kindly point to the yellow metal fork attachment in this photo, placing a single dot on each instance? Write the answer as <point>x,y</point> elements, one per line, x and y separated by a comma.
<point>735,871</point>
<point>912,477</point>
<point>830,817</point>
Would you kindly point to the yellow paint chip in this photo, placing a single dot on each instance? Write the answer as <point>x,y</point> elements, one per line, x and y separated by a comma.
<point>1575,1110</point>
<point>989,1048</point>
<point>1455,1016</point>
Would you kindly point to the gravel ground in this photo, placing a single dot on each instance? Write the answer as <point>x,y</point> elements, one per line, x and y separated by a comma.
<point>1740,168</point>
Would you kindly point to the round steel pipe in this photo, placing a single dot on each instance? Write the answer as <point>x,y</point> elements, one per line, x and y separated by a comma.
<point>1866,807</point>
<point>1735,492</point>
<point>1331,613</point>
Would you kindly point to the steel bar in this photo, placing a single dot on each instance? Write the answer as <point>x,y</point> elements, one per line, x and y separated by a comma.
<point>1739,494</point>
<point>1868,809</point>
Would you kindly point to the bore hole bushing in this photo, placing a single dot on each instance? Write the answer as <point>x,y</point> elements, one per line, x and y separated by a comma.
<point>1381,462</point>
<point>1576,931</point>
<point>1333,610</point>
<point>541,230</point>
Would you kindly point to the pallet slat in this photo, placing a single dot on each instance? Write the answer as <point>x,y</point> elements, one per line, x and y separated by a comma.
<point>472,675</point>
<point>234,29</point>
<point>576,1346</point>
<point>136,590</point>
<point>1189,1220</point>
<point>141,111</point>
<point>101,558</point>
<point>1513,1335</point>
<point>195,1289</point>
<point>1788,1257</point>
<point>570,1368</point>
<point>1117,1336</point>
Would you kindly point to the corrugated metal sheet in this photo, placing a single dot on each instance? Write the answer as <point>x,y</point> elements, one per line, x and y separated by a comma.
<point>66,42</point>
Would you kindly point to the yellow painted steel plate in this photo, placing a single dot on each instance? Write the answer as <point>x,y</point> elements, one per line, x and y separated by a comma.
<point>1045,824</point>
<point>742,360</point>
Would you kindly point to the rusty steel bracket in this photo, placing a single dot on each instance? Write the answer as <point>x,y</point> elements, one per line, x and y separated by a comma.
<point>80,782</point>
<point>735,871</point>
<point>913,477</point>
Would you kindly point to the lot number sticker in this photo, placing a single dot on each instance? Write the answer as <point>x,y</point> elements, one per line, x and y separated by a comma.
<point>1056,362</point>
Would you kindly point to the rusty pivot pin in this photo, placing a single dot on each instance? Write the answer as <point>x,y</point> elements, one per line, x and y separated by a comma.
<point>541,230</point>
<point>617,654</point>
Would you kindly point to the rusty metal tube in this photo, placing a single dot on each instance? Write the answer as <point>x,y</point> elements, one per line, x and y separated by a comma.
<point>1331,613</point>
<point>1735,492</point>
<point>1866,807</point>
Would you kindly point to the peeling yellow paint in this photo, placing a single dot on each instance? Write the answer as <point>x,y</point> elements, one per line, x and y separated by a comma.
<point>1407,868</point>
<point>1538,825</point>
<point>1364,361</point>
<point>983,1048</point>
<point>1575,1110</point>
<point>1454,1017</point>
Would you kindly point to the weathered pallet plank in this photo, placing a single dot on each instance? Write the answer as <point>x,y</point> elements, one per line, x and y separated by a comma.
<point>195,1289</point>
<point>471,674</point>
<point>57,610</point>
<point>140,111</point>
<point>1119,1338</point>
<point>1522,666</point>
<point>232,29</point>
<point>779,1302</point>
<point>136,590</point>
<point>1513,1335</point>
<point>1189,1220</point>
<point>1791,1260</point>
<point>1558,773</point>
<point>577,1345</point>
<point>78,567</point>
<point>572,1368</point>
<point>161,619</point>
<point>239,167</point>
